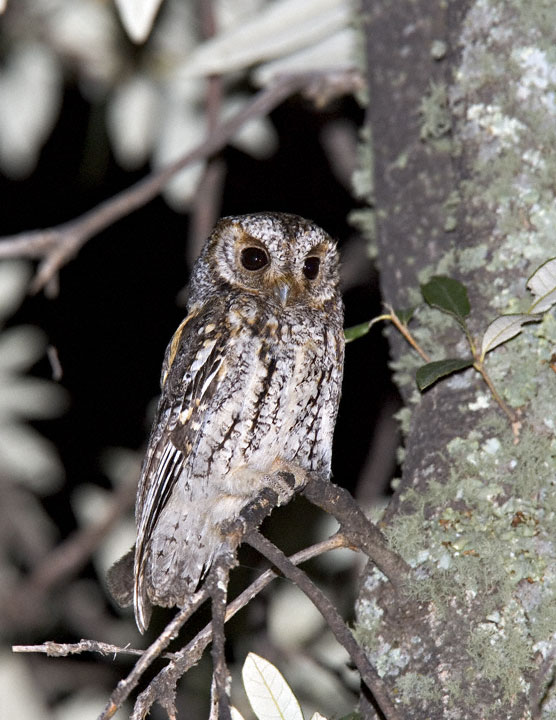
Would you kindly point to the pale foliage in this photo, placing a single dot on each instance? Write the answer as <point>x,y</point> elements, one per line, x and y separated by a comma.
<point>25,456</point>
<point>269,694</point>
<point>155,98</point>
<point>542,285</point>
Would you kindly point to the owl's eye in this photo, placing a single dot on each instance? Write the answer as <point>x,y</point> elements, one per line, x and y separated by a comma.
<point>311,267</point>
<point>253,258</point>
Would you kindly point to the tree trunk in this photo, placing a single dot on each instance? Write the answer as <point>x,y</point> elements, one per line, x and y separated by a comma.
<point>462,126</point>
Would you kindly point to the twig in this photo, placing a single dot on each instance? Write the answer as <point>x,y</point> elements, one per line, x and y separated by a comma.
<point>170,632</point>
<point>53,649</point>
<point>205,208</point>
<point>219,594</point>
<point>70,556</point>
<point>360,531</point>
<point>404,330</point>
<point>26,601</point>
<point>510,414</point>
<point>333,619</point>
<point>56,246</point>
<point>188,656</point>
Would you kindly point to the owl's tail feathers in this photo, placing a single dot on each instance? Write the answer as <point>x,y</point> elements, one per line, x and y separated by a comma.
<point>141,603</point>
<point>128,590</point>
<point>120,579</point>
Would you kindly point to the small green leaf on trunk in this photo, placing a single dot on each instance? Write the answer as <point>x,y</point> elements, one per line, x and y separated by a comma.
<point>448,295</point>
<point>356,331</point>
<point>433,371</point>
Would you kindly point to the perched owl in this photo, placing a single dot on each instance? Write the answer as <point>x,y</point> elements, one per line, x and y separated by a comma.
<point>250,387</point>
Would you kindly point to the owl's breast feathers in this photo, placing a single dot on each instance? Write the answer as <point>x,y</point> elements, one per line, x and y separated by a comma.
<point>258,383</point>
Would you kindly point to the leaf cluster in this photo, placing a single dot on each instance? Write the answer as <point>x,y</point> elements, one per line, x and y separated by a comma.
<point>450,296</point>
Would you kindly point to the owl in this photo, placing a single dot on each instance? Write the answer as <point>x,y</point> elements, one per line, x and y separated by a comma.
<point>250,387</point>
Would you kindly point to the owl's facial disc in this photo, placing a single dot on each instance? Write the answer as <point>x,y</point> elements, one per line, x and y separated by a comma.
<point>283,258</point>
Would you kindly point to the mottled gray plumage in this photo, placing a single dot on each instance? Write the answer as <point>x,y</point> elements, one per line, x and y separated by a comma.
<point>250,386</point>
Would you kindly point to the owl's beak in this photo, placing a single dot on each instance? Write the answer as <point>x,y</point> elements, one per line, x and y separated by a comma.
<point>282,291</point>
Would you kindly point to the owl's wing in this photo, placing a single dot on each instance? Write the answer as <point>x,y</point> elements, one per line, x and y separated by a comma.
<point>193,359</point>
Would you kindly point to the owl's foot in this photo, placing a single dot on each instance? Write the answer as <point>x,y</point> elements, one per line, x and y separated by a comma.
<point>286,480</point>
<point>283,484</point>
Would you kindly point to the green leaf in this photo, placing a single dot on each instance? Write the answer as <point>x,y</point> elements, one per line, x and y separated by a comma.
<point>433,371</point>
<point>356,331</point>
<point>447,295</point>
<point>405,314</point>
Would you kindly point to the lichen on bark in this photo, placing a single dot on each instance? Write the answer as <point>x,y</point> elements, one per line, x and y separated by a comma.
<point>474,512</point>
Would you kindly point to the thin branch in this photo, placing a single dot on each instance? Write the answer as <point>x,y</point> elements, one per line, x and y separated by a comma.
<point>205,209</point>
<point>357,532</point>
<point>220,673</point>
<point>404,330</point>
<point>26,601</point>
<point>510,414</point>
<point>206,203</point>
<point>56,246</point>
<point>169,633</point>
<point>53,649</point>
<point>73,553</point>
<point>333,619</point>
<point>186,657</point>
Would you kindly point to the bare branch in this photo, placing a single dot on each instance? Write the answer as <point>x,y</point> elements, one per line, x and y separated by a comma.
<point>56,246</point>
<point>333,619</point>
<point>70,556</point>
<point>360,533</point>
<point>53,649</point>
<point>205,205</point>
<point>188,656</point>
<point>25,602</point>
<point>221,676</point>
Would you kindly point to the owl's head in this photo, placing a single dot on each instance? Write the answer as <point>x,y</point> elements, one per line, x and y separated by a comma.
<point>283,257</point>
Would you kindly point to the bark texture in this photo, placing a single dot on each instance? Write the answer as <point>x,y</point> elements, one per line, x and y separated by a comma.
<point>462,136</point>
